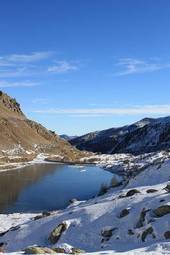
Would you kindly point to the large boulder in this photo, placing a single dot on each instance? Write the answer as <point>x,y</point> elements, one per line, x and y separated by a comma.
<point>162,210</point>
<point>132,192</point>
<point>57,232</point>
<point>38,250</point>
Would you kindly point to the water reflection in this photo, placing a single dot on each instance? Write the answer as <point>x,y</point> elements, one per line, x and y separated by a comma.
<point>48,186</point>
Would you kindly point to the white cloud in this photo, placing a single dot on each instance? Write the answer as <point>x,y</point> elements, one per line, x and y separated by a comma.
<point>134,66</point>
<point>10,60</point>
<point>62,67</point>
<point>6,84</point>
<point>136,110</point>
<point>35,63</point>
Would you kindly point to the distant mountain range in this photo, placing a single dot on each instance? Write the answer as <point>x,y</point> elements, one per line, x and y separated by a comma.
<point>67,137</point>
<point>146,135</point>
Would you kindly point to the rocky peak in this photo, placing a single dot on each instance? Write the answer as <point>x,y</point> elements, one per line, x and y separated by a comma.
<point>10,103</point>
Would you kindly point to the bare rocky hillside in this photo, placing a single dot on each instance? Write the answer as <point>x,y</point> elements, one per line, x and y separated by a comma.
<point>21,136</point>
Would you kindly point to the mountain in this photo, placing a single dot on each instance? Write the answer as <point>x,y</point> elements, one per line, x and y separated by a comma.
<point>21,136</point>
<point>146,135</point>
<point>68,137</point>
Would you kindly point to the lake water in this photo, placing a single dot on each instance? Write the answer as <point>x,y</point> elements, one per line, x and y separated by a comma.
<point>43,187</point>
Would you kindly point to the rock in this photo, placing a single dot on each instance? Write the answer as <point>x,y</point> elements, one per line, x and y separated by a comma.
<point>151,191</point>
<point>130,232</point>
<point>142,216</point>
<point>77,251</point>
<point>132,192</point>
<point>107,232</point>
<point>57,232</point>
<point>162,210</point>
<point>39,250</point>
<point>67,249</point>
<point>167,235</point>
<point>167,188</point>
<point>60,250</point>
<point>148,231</point>
<point>124,213</point>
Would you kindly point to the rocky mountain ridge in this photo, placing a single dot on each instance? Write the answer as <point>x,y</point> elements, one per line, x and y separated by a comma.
<point>146,135</point>
<point>21,136</point>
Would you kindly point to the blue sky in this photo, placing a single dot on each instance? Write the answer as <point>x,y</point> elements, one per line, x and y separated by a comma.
<point>78,66</point>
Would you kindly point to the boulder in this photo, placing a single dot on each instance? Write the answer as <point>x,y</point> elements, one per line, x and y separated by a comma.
<point>57,232</point>
<point>38,250</point>
<point>124,213</point>
<point>132,192</point>
<point>162,210</point>
<point>67,249</point>
<point>107,232</point>
<point>151,191</point>
<point>167,235</point>
<point>148,231</point>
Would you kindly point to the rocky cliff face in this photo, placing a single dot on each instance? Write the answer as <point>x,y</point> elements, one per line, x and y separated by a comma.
<point>19,135</point>
<point>147,135</point>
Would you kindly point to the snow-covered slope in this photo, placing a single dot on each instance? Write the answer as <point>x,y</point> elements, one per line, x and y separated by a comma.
<point>133,218</point>
<point>147,135</point>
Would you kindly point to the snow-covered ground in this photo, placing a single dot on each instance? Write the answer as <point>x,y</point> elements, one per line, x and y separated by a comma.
<point>123,220</point>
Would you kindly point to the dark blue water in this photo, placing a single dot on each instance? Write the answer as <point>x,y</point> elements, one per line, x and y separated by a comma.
<point>44,187</point>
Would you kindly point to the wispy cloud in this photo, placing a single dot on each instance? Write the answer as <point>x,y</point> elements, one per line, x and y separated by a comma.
<point>136,110</point>
<point>13,59</point>
<point>40,101</point>
<point>6,84</point>
<point>35,63</point>
<point>136,66</point>
<point>62,67</point>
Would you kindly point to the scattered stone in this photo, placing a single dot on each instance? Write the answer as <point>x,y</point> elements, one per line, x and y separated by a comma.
<point>124,213</point>
<point>57,232</point>
<point>151,190</point>
<point>162,210</point>
<point>132,192</point>
<point>148,231</point>
<point>167,235</point>
<point>162,200</point>
<point>142,216</point>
